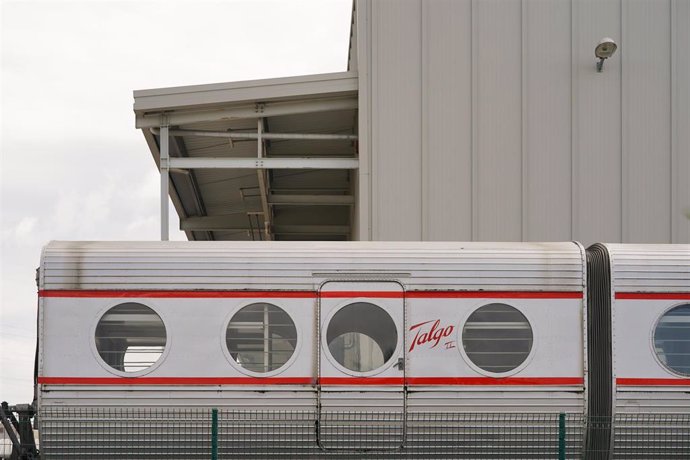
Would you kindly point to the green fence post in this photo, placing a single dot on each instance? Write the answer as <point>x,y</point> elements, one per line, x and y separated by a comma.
<point>214,434</point>
<point>561,436</point>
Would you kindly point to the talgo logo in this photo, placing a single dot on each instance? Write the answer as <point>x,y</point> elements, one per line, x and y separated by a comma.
<point>434,334</point>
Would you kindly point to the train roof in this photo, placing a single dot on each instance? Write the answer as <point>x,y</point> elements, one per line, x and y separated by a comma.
<point>650,267</point>
<point>230,265</point>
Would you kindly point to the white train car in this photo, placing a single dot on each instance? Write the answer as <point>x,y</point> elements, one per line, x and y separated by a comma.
<point>649,304</point>
<point>323,328</point>
<point>650,292</point>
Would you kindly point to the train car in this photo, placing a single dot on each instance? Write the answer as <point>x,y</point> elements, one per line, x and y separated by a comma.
<point>323,328</point>
<point>463,350</point>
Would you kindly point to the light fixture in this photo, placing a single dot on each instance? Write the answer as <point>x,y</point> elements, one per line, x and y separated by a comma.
<point>604,50</point>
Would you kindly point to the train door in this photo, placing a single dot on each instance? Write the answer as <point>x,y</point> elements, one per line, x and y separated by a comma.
<point>361,365</point>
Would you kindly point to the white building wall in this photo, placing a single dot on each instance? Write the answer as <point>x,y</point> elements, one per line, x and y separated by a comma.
<point>487,120</point>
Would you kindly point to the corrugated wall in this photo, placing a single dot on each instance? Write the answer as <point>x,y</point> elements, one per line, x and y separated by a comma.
<point>486,120</point>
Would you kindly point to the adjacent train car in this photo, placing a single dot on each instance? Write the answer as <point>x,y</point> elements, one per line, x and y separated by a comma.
<point>649,307</point>
<point>650,295</point>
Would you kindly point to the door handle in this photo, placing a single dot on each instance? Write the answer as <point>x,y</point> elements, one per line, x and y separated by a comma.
<point>400,364</point>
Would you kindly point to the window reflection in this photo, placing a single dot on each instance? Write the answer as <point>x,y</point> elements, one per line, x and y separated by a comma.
<point>497,338</point>
<point>362,337</point>
<point>130,337</point>
<point>261,337</point>
<point>672,339</point>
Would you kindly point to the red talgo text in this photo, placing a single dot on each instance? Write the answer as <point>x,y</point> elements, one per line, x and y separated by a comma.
<point>432,335</point>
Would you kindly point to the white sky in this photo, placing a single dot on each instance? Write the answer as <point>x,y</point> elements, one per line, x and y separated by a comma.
<point>72,165</point>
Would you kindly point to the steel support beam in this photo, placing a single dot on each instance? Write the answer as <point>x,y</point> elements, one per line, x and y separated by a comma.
<point>268,109</point>
<point>165,181</point>
<point>311,229</point>
<point>258,135</point>
<point>311,200</point>
<point>263,180</point>
<point>263,163</point>
<point>231,224</point>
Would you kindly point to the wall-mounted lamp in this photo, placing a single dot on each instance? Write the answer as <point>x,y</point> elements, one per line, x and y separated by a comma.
<point>604,50</point>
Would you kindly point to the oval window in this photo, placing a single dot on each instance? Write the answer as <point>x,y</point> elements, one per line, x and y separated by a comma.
<point>497,338</point>
<point>130,337</point>
<point>362,337</point>
<point>672,339</point>
<point>261,337</point>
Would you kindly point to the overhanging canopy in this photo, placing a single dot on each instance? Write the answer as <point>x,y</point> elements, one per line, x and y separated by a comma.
<point>263,159</point>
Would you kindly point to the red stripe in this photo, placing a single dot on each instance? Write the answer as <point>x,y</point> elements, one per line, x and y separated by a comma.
<point>385,381</point>
<point>311,295</point>
<point>652,382</point>
<point>362,381</point>
<point>652,296</point>
<point>367,294</point>
<point>181,294</point>
<point>493,295</point>
<point>175,381</point>
<point>489,381</point>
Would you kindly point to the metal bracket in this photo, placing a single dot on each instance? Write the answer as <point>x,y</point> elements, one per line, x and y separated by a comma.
<point>164,157</point>
<point>400,364</point>
<point>25,447</point>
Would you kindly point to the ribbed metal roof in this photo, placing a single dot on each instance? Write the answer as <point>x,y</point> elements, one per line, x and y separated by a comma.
<point>304,265</point>
<point>650,267</point>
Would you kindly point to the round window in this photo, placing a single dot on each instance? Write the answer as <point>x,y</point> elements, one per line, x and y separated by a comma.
<point>362,337</point>
<point>672,339</point>
<point>130,337</point>
<point>497,338</point>
<point>261,337</point>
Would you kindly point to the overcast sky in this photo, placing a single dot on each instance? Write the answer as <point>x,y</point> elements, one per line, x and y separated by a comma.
<point>73,167</point>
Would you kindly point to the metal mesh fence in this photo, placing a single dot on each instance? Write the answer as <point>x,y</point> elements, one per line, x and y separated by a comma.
<point>657,436</point>
<point>206,433</point>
